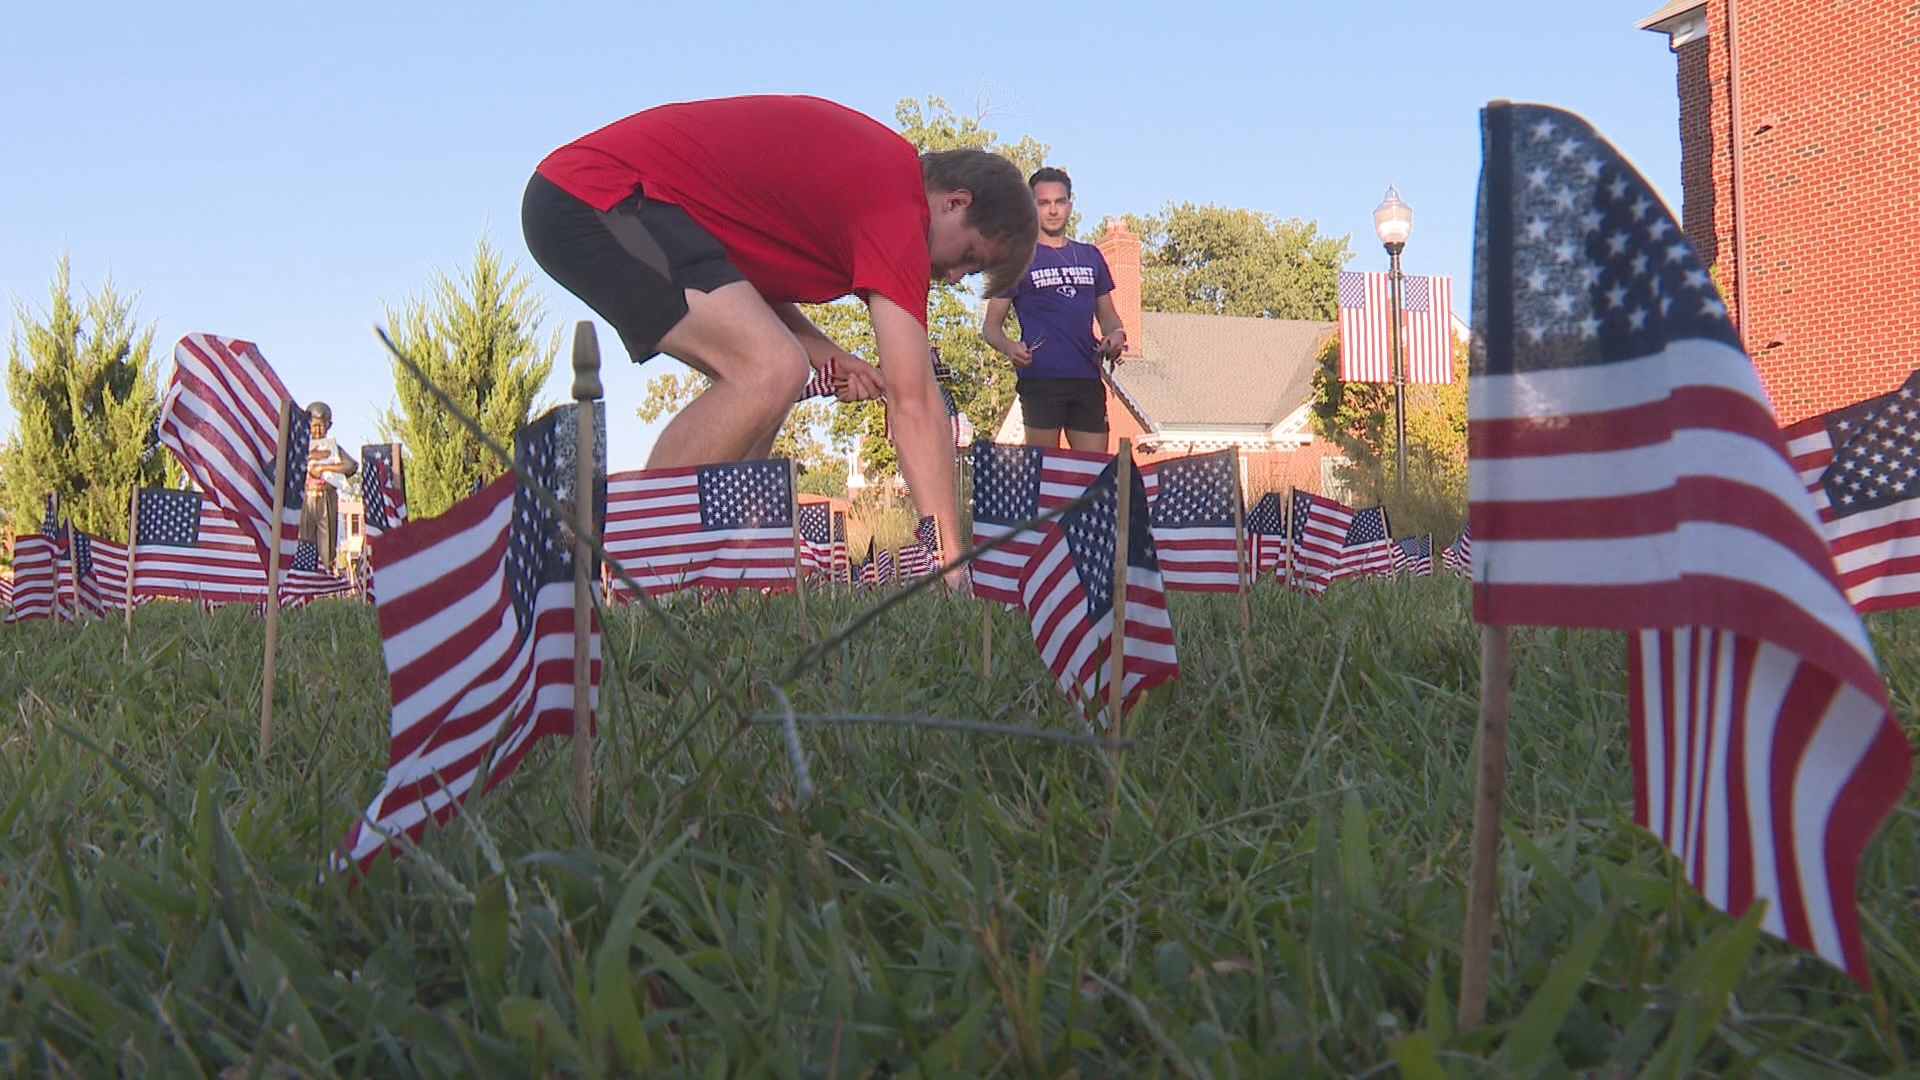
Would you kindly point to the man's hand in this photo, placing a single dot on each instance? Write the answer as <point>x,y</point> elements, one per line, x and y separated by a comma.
<point>1020,353</point>
<point>1114,344</point>
<point>856,380</point>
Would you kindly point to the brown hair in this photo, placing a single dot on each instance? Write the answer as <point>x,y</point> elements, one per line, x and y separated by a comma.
<point>1002,208</point>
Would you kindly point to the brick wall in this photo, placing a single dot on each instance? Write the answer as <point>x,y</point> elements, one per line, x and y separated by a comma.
<point>1830,107</point>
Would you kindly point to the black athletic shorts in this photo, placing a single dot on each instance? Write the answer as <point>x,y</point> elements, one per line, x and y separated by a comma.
<point>1074,404</point>
<point>632,264</point>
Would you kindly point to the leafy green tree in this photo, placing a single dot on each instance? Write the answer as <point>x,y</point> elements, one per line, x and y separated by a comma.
<point>1358,418</point>
<point>82,384</point>
<point>1218,260</point>
<point>478,339</point>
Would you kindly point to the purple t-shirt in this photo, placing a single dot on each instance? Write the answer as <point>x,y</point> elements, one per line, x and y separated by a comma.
<point>1055,303</point>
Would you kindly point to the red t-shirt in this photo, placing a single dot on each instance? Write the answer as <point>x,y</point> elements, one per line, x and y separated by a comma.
<point>812,200</point>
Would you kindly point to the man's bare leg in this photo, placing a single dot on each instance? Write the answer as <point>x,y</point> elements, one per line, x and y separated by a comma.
<point>1091,441</point>
<point>757,367</point>
<point>1048,437</point>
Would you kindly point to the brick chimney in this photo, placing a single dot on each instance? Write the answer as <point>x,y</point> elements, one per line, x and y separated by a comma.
<point>1122,249</point>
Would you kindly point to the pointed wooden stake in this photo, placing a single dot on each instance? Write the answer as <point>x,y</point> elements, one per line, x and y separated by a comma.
<point>281,467</point>
<point>1490,783</point>
<point>1240,552</point>
<point>1117,657</point>
<point>586,390</point>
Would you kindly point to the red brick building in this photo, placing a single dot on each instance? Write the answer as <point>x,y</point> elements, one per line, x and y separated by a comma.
<point>1800,177</point>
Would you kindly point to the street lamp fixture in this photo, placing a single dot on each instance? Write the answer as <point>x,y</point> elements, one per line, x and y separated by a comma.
<point>1393,223</point>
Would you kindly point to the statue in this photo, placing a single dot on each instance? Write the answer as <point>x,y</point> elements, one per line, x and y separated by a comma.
<point>328,468</point>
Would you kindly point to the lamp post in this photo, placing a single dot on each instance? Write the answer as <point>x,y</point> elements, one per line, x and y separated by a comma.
<point>1393,222</point>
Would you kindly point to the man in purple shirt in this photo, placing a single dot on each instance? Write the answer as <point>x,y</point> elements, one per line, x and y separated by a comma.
<point>1066,289</point>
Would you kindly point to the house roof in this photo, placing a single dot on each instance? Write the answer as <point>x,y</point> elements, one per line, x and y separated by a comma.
<point>1220,370</point>
<point>1667,11</point>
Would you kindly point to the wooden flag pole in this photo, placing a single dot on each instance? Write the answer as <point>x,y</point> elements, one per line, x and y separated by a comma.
<point>73,572</point>
<point>281,467</point>
<point>1117,664</point>
<point>799,571</point>
<point>586,390</point>
<point>1240,552</point>
<point>1287,531</point>
<point>133,536</point>
<point>986,639</point>
<point>1489,789</point>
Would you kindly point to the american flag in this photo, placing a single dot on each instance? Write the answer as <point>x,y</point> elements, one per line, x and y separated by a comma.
<point>1319,537</point>
<point>922,557</point>
<point>1191,501</point>
<point>1865,493</point>
<point>382,495</point>
<point>1414,555</point>
<point>711,526</point>
<point>816,538</point>
<point>837,564</point>
<point>187,548</point>
<point>883,573</point>
<point>1458,556</point>
<point>1266,536</point>
<point>36,568</point>
<point>99,574</point>
<point>868,570</point>
<point>1368,545</point>
<point>221,418</point>
<point>819,383</point>
<point>1626,474</point>
<point>1067,589</point>
<point>476,616</point>
<point>50,522</point>
<point>6,589</point>
<point>305,580</point>
<point>1012,485</point>
<point>1366,326</point>
<point>1428,303</point>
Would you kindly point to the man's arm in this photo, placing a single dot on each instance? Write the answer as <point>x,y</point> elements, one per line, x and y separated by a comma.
<point>859,381</point>
<point>994,329</point>
<point>1114,341</point>
<point>922,434</point>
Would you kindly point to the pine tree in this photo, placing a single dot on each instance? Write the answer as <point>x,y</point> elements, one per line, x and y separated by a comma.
<point>477,339</point>
<point>83,390</point>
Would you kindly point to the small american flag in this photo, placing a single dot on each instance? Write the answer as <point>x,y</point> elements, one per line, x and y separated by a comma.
<point>922,557</point>
<point>710,526</point>
<point>221,418</point>
<point>35,577</point>
<point>1366,326</point>
<point>1012,485</point>
<point>1319,538</point>
<point>1367,547</point>
<point>1865,493</point>
<point>1458,556</point>
<point>869,570</point>
<point>381,495</point>
<point>1414,556</point>
<point>1266,536</point>
<point>99,574</point>
<point>476,617</point>
<point>820,382</point>
<point>50,522</point>
<point>306,580</point>
<point>1068,587</point>
<point>883,573</point>
<point>1428,303</point>
<point>6,589</point>
<point>1192,501</point>
<point>837,564</point>
<point>187,548</point>
<point>1626,474</point>
<point>816,537</point>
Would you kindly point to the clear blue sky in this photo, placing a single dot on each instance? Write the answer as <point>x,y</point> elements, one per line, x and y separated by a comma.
<point>279,172</point>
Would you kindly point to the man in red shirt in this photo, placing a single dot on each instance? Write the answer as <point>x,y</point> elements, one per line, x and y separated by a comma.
<point>696,229</point>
